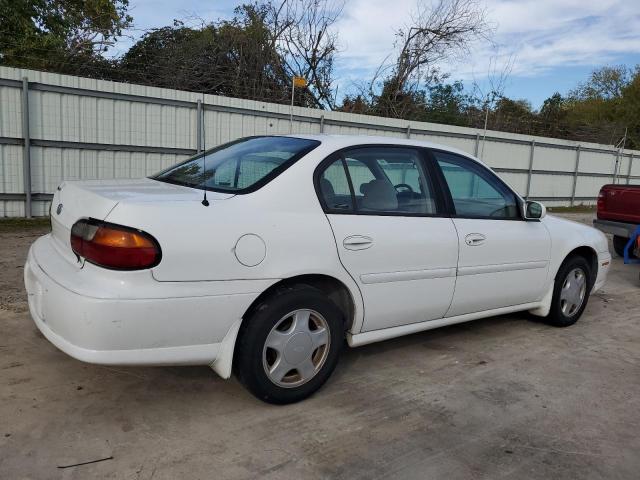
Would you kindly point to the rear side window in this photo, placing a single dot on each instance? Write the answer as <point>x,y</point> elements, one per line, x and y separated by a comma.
<point>239,167</point>
<point>360,173</point>
<point>334,187</point>
<point>378,180</point>
<point>475,191</point>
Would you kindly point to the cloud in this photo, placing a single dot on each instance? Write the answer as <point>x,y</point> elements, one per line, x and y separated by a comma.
<point>536,35</point>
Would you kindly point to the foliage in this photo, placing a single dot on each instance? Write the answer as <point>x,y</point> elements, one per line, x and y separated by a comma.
<point>67,36</point>
<point>606,83</point>
<point>448,103</point>
<point>254,55</point>
<point>232,58</point>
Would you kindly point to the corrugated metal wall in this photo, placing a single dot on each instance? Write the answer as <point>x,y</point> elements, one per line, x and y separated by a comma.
<point>81,128</point>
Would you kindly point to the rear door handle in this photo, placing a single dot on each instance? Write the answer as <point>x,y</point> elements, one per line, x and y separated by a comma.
<point>357,242</point>
<point>474,239</point>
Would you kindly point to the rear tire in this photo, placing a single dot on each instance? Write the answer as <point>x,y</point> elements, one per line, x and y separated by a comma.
<point>289,345</point>
<point>570,292</point>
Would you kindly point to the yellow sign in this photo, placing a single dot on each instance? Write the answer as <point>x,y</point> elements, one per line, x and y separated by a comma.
<point>299,82</point>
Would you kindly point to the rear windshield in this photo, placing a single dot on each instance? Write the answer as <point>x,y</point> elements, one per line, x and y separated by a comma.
<point>239,167</point>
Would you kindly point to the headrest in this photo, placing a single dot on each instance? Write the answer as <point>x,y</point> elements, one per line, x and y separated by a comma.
<point>379,195</point>
<point>326,188</point>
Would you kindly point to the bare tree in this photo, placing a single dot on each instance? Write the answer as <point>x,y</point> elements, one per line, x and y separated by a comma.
<point>487,97</point>
<point>438,32</point>
<point>302,30</point>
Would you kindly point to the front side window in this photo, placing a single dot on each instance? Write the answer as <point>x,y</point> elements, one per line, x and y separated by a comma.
<point>475,191</point>
<point>239,166</point>
<point>383,180</point>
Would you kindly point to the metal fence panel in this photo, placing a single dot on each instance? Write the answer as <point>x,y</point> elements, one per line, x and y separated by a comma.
<point>82,128</point>
<point>10,112</point>
<point>589,186</point>
<point>597,162</point>
<point>554,159</point>
<point>551,186</point>
<point>504,155</point>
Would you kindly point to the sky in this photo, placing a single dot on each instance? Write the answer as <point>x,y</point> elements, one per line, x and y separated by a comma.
<point>544,45</point>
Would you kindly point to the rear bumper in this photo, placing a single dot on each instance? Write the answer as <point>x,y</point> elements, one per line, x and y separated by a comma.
<point>119,329</point>
<point>619,229</point>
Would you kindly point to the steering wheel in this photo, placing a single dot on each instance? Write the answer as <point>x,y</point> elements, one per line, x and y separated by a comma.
<point>405,186</point>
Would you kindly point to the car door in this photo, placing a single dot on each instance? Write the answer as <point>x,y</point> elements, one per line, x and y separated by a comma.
<point>503,259</point>
<point>386,217</point>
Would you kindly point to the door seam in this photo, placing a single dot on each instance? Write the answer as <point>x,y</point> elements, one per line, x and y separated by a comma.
<point>335,241</point>
<point>455,280</point>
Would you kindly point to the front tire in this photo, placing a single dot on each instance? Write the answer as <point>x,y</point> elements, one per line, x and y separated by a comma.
<point>570,292</point>
<point>289,346</point>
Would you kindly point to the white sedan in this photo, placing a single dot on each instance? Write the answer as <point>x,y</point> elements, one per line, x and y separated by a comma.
<point>261,256</point>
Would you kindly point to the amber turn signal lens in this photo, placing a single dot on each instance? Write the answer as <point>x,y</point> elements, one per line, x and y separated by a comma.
<point>111,237</point>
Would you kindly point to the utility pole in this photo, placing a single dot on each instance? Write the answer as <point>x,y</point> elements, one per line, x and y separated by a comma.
<point>484,134</point>
<point>300,82</point>
<point>620,146</point>
<point>293,89</point>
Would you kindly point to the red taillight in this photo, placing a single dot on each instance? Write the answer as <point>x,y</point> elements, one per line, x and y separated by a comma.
<point>114,246</point>
<point>601,201</point>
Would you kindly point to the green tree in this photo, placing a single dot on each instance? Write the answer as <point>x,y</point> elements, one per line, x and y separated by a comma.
<point>66,36</point>
<point>595,108</point>
<point>605,83</point>
<point>355,104</point>
<point>512,116</point>
<point>232,57</point>
<point>631,110</point>
<point>551,120</point>
<point>253,55</point>
<point>448,103</point>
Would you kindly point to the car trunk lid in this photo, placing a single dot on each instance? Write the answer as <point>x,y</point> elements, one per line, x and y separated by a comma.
<point>96,198</point>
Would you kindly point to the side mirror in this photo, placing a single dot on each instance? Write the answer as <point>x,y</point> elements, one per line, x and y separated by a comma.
<point>533,210</point>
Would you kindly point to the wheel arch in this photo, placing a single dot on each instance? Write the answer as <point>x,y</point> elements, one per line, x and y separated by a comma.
<point>584,251</point>
<point>335,289</point>
<point>589,254</point>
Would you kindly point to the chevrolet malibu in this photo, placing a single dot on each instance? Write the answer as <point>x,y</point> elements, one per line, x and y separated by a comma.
<point>261,256</point>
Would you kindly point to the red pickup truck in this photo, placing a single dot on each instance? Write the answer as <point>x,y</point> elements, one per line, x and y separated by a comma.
<point>619,214</point>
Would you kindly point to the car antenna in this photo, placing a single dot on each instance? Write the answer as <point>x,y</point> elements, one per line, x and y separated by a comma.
<point>205,202</point>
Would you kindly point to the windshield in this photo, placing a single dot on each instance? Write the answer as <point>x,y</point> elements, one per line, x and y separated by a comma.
<point>240,166</point>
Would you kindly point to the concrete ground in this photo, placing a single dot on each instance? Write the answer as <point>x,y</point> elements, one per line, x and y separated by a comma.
<point>505,397</point>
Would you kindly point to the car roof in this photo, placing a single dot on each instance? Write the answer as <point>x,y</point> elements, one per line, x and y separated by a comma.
<point>343,141</point>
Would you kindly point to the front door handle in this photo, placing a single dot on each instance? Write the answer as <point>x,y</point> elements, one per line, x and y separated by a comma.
<point>357,242</point>
<point>474,239</point>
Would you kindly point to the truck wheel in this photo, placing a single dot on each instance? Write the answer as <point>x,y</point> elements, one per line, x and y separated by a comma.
<point>618,245</point>
<point>570,292</point>
<point>289,346</point>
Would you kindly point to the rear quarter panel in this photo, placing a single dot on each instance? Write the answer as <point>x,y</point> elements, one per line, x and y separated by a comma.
<point>198,243</point>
